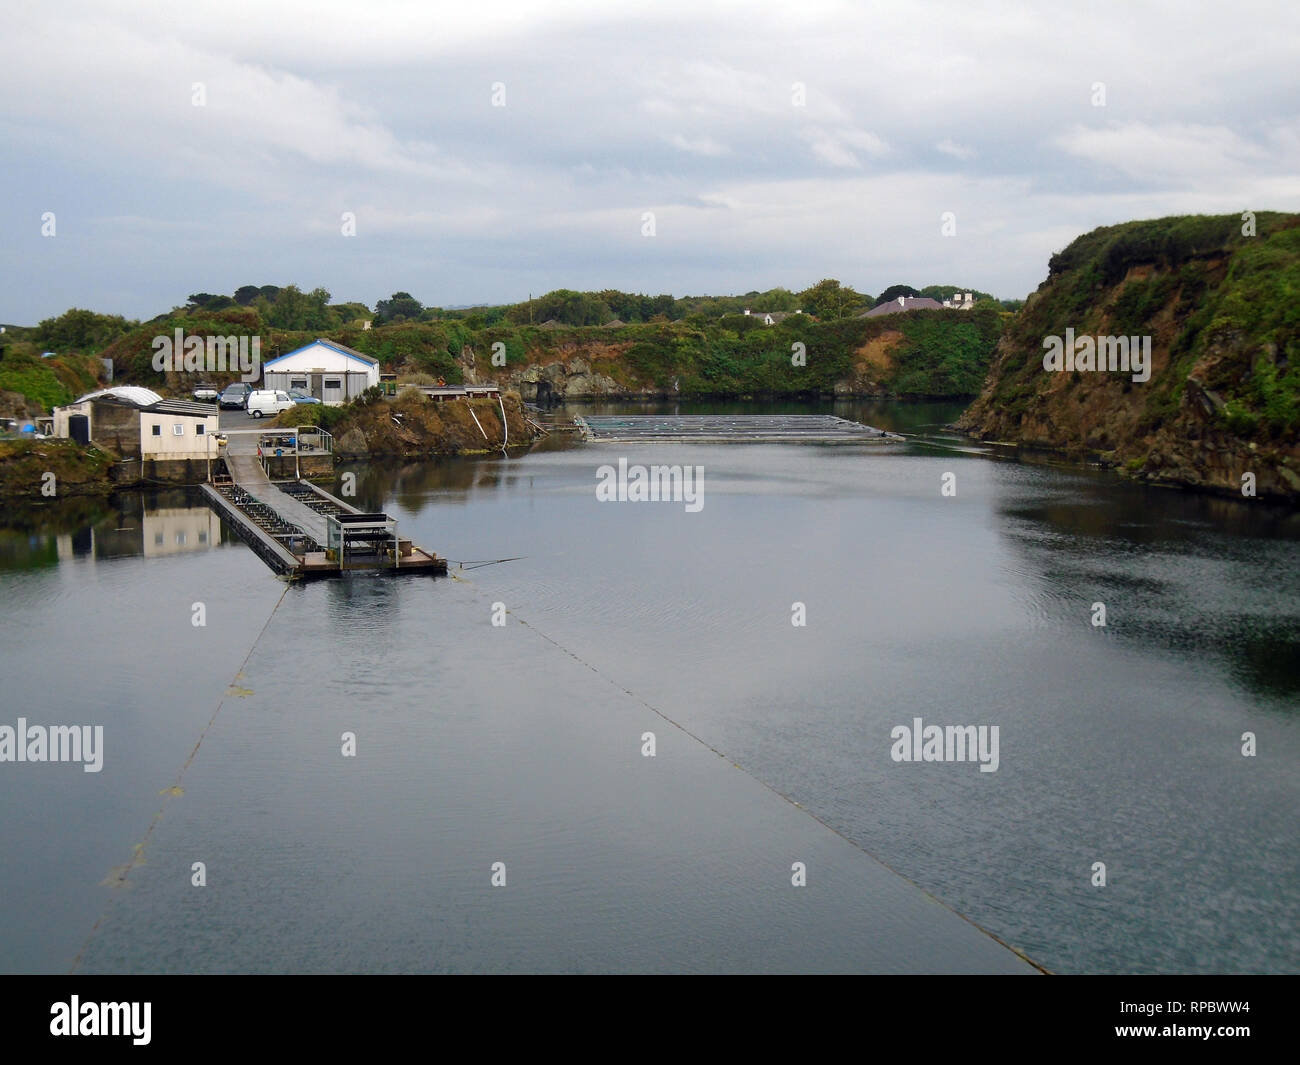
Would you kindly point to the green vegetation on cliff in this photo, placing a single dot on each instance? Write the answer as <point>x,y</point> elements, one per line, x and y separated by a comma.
<point>1222,310</point>
<point>1203,285</point>
<point>940,353</point>
<point>46,382</point>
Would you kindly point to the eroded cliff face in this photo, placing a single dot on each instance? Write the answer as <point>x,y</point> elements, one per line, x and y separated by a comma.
<point>592,370</point>
<point>411,426</point>
<point>1221,408</point>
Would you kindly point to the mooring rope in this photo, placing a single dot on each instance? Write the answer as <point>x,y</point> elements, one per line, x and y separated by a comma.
<point>479,563</point>
<point>759,780</point>
<point>137,857</point>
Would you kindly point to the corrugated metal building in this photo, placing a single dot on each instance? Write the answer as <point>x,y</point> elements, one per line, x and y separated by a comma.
<point>331,372</point>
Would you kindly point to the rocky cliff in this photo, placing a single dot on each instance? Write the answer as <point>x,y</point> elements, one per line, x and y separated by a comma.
<point>1216,301</point>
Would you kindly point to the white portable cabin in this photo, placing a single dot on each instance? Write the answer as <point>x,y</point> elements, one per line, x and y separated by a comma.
<point>331,372</point>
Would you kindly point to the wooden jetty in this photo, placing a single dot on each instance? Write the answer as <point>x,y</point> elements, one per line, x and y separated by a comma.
<point>300,530</point>
<point>730,428</point>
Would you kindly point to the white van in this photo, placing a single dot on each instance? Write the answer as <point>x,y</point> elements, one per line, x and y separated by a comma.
<point>265,402</point>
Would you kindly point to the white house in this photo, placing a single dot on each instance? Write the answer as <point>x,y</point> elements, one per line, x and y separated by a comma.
<point>138,423</point>
<point>961,301</point>
<point>331,372</point>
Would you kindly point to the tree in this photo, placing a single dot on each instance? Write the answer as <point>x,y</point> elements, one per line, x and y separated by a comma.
<point>894,291</point>
<point>400,303</point>
<point>246,294</point>
<point>946,292</point>
<point>828,299</point>
<point>292,309</point>
<point>319,314</point>
<point>80,330</point>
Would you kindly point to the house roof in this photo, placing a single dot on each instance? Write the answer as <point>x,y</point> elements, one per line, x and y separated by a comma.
<point>332,345</point>
<point>181,406</point>
<point>894,306</point>
<point>149,400</point>
<point>135,395</point>
<point>615,323</point>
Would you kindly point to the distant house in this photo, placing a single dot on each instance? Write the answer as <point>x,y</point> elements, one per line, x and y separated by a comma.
<point>770,317</point>
<point>332,372</point>
<point>616,323</point>
<point>550,323</point>
<point>961,301</point>
<point>903,303</point>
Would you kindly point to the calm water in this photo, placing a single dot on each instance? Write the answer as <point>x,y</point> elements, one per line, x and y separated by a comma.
<point>521,743</point>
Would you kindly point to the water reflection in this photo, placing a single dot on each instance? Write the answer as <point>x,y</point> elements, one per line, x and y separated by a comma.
<point>1199,576</point>
<point>124,525</point>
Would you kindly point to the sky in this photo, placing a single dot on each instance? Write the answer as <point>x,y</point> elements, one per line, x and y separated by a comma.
<point>486,151</point>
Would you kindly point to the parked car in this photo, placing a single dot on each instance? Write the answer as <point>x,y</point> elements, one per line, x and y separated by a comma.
<point>265,402</point>
<point>299,395</point>
<point>234,395</point>
<point>205,393</point>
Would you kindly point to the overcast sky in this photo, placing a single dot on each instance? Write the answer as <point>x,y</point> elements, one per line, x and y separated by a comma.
<point>691,111</point>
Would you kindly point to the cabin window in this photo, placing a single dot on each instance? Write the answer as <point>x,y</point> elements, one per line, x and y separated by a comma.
<point>157,539</point>
<point>180,539</point>
<point>297,382</point>
<point>333,382</point>
<point>157,430</point>
<point>178,429</point>
<point>198,428</point>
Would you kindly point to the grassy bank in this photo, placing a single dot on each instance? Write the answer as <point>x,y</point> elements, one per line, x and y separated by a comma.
<point>76,470</point>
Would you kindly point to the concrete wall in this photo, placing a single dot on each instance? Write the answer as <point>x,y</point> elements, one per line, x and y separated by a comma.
<point>167,445</point>
<point>115,426</point>
<point>282,468</point>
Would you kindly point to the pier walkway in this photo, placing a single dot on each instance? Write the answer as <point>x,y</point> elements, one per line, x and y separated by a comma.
<point>300,530</point>
<point>247,472</point>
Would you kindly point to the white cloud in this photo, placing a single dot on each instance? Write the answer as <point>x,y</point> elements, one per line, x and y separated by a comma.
<point>957,151</point>
<point>698,145</point>
<point>680,106</point>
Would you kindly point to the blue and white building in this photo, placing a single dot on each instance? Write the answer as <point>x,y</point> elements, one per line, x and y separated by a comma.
<point>330,371</point>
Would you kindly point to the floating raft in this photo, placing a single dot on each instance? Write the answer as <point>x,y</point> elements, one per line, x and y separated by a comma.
<point>300,530</point>
<point>731,428</point>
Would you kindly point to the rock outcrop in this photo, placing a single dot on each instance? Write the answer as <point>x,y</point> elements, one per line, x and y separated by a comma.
<point>1221,408</point>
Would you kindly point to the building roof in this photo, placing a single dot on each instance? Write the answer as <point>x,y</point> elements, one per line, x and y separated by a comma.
<point>615,323</point>
<point>903,303</point>
<point>149,400</point>
<point>136,395</point>
<point>182,406</point>
<point>332,345</point>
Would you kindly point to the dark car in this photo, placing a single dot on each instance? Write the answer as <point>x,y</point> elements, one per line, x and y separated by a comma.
<point>298,395</point>
<point>234,395</point>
